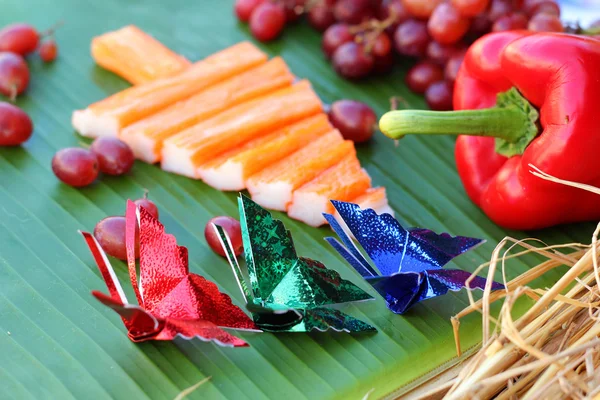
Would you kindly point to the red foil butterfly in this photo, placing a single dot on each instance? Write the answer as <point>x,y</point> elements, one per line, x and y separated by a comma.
<point>172,301</point>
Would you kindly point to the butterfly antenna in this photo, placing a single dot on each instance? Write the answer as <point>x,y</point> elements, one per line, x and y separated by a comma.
<point>106,269</point>
<point>237,271</point>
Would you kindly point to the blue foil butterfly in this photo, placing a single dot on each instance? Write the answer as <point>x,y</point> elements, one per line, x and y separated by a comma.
<point>409,261</point>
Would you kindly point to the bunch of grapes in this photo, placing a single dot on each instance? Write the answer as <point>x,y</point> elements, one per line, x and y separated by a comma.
<point>364,37</point>
<point>16,42</point>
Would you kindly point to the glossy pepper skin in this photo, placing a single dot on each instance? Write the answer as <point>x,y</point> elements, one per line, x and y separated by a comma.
<point>560,75</point>
<point>523,99</point>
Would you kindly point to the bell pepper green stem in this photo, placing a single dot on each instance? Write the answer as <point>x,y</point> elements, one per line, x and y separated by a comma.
<point>504,123</point>
<point>512,121</point>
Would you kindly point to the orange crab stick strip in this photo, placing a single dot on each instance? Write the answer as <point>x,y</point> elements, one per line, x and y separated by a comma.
<point>374,198</point>
<point>107,117</point>
<point>185,152</point>
<point>230,170</point>
<point>136,56</point>
<point>146,136</point>
<point>344,181</point>
<point>272,187</point>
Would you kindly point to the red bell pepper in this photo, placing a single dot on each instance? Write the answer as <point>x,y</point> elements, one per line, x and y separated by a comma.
<point>507,80</point>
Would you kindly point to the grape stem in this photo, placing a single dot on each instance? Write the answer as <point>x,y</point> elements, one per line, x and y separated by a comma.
<point>368,31</point>
<point>50,31</point>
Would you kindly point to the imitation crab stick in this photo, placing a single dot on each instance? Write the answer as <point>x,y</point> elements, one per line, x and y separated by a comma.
<point>374,198</point>
<point>272,187</point>
<point>344,181</point>
<point>230,170</point>
<point>136,56</point>
<point>146,136</point>
<point>185,152</point>
<point>109,116</point>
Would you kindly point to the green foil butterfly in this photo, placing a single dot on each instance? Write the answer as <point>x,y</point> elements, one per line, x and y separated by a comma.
<point>284,292</point>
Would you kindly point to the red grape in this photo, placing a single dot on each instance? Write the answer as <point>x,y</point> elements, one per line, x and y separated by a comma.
<point>335,36</point>
<point>267,21</point>
<point>148,205</point>
<point>243,8</point>
<point>532,7</point>
<point>440,53</point>
<point>411,38</point>
<point>499,8</point>
<point>115,157</point>
<point>422,75</point>
<point>293,9</point>
<point>421,8</point>
<point>510,22</point>
<point>446,25</point>
<point>19,38</point>
<point>480,25</point>
<point>393,7</point>
<point>110,234</point>
<point>75,166</point>
<point>453,65</point>
<point>48,50</point>
<point>231,226</point>
<point>320,16</point>
<point>353,11</point>
<point>15,125</point>
<point>545,23</point>
<point>382,45</point>
<point>356,121</point>
<point>350,60</point>
<point>14,74</point>
<point>470,8</point>
<point>439,96</point>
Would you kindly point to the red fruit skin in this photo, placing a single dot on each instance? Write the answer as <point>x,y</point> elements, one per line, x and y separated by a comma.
<point>411,38</point>
<point>335,36</point>
<point>267,21</point>
<point>422,75</point>
<point>511,22</point>
<point>439,96</point>
<point>115,157</point>
<point>545,23</point>
<point>439,53</point>
<point>355,120</point>
<point>243,8</point>
<point>48,50</point>
<point>14,74</point>
<point>353,11</point>
<point>232,228</point>
<point>19,38</point>
<point>532,7</point>
<point>446,14</point>
<point>321,15</point>
<point>15,125</point>
<point>453,66</point>
<point>421,9</point>
<point>470,8</point>
<point>110,234</point>
<point>351,61</point>
<point>64,166</point>
<point>148,205</point>
<point>293,9</point>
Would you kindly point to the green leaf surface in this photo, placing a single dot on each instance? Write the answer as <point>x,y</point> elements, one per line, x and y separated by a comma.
<point>58,342</point>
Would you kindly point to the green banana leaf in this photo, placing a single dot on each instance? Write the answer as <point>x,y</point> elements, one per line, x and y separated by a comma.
<point>58,342</point>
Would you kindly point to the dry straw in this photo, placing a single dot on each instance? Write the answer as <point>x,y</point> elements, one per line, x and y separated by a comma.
<point>553,350</point>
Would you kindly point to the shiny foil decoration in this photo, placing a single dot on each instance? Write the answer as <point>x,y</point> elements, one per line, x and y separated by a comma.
<point>172,301</point>
<point>284,292</point>
<point>409,262</point>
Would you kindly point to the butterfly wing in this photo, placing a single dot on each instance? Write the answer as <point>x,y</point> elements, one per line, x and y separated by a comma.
<point>382,237</point>
<point>400,291</point>
<point>439,281</point>
<point>429,250</point>
<point>163,264</point>
<point>268,248</point>
<point>348,249</point>
<point>323,319</point>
